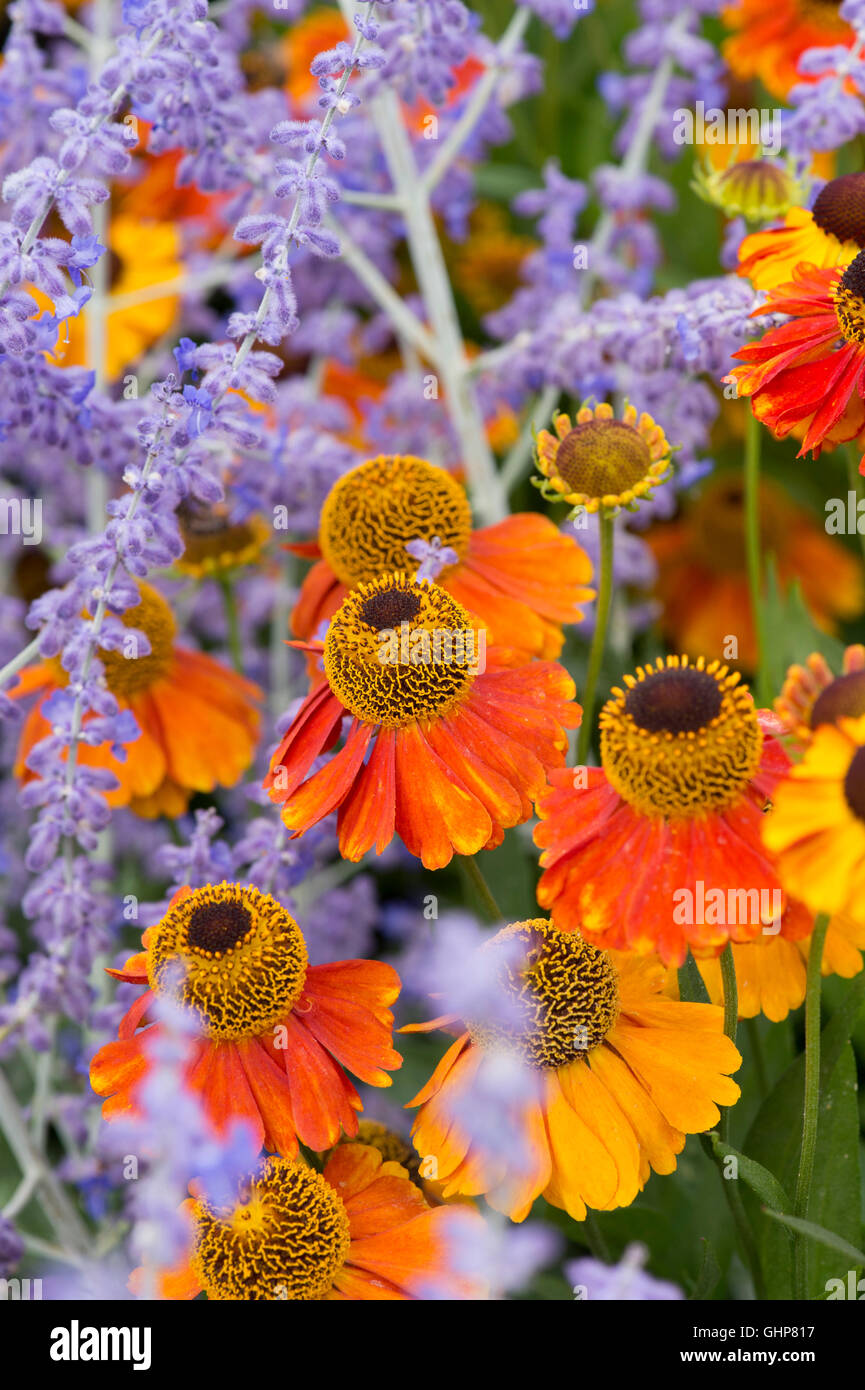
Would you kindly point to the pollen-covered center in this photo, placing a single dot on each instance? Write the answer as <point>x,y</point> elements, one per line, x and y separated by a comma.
<point>126,672</point>
<point>839,208</point>
<point>849,299</point>
<point>213,543</point>
<point>602,458</point>
<point>374,511</point>
<point>231,955</point>
<point>843,699</point>
<point>854,784</point>
<point>285,1240</point>
<point>680,740</point>
<point>400,650</point>
<point>560,995</point>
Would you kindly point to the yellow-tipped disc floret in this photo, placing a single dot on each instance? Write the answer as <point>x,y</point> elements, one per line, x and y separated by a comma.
<point>128,675</point>
<point>233,956</point>
<point>759,189</point>
<point>600,463</point>
<point>285,1239</point>
<point>563,991</point>
<point>372,512</point>
<point>680,740</point>
<point>849,297</point>
<point>400,650</point>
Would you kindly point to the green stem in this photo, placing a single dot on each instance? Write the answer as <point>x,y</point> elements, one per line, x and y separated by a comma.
<point>752,542</point>
<point>747,1242</point>
<point>472,871</point>
<point>811,1107</point>
<point>757,1053</point>
<point>234,643</point>
<point>855,483</point>
<point>596,654</point>
<point>594,1239</point>
<point>731,1018</point>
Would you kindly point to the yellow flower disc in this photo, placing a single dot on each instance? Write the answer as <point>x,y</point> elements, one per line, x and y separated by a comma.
<point>400,650</point>
<point>601,463</point>
<point>680,740</point>
<point>214,545</point>
<point>233,956</point>
<point>285,1239</point>
<point>128,676</point>
<point>563,991</point>
<point>372,512</point>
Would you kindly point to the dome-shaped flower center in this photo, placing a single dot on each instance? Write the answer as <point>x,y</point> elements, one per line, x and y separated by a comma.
<point>602,458</point>
<point>392,1147</point>
<point>824,12</point>
<point>717,523</point>
<point>849,299</point>
<point>560,995</point>
<point>843,699</point>
<point>286,1238</point>
<point>126,673</point>
<point>233,956</point>
<point>854,784</point>
<point>399,650</point>
<point>839,208</point>
<point>759,184</point>
<point>372,513</point>
<point>680,740</point>
<point>213,543</point>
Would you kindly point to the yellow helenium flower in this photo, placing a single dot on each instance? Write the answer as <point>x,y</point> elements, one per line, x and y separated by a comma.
<point>600,463</point>
<point>813,695</point>
<point>817,828</point>
<point>614,1076</point>
<point>771,971</point>
<point>831,234</point>
<point>143,254</point>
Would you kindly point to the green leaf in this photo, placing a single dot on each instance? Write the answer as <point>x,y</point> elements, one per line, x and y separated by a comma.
<point>820,1234</point>
<point>710,1273</point>
<point>692,986</point>
<point>790,630</point>
<point>774,1141</point>
<point>758,1178</point>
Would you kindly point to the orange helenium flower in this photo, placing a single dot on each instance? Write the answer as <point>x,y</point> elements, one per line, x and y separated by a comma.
<point>360,1230</point>
<point>702,579</point>
<point>522,577</point>
<point>198,720</point>
<point>809,373</point>
<point>599,463</point>
<point>772,35</point>
<point>813,695</point>
<point>621,1075</point>
<point>439,751</point>
<point>677,805</point>
<point>275,1032</point>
